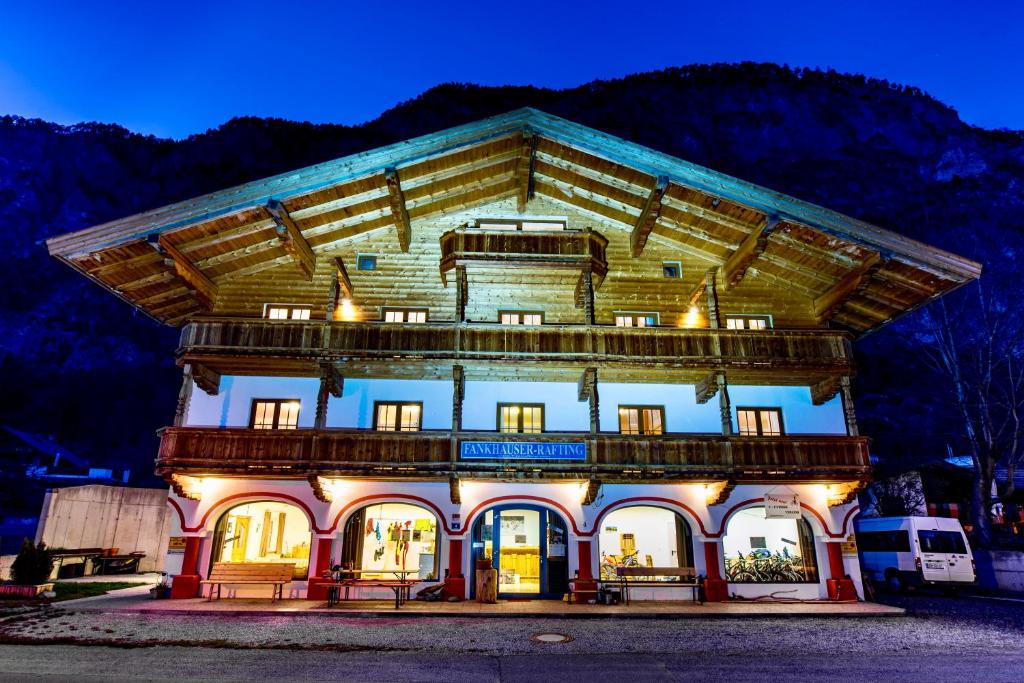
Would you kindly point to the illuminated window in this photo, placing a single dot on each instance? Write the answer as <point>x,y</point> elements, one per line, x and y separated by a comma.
<point>261,532</point>
<point>641,419</point>
<point>672,269</point>
<point>643,536</point>
<point>274,413</point>
<point>636,319</point>
<point>405,315</point>
<point>748,322</point>
<point>522,418</point>
<point>521,317</point>
<point>531,225</point>
<point>385,538</point>
<point>759,421</point>
<point>761,550</point>
<point>286,312</point>
<point>366,262</point>
<point>397,417</point>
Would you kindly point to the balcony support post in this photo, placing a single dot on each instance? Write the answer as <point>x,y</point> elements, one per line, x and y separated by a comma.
<point>585,296</point>
<point>587,387</point>
<point>461,292</point>
<point>184,397</point>
<point>724,406</point>
<point>331,384</point>
<point>458,396</point>
<point>848,410</point>
<point>714,321</point>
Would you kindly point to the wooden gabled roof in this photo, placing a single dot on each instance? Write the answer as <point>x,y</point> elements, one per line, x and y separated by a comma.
<point>168,261</point>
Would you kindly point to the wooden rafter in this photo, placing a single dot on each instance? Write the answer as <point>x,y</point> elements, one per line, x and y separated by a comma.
<point>341,275</point>
<point>203,287</point>
<point>398,210</point>
<point>826,305</point>
<point>291,237</point>
<point>648,217</point>
<point>524,171</point>
<point>752,247</point>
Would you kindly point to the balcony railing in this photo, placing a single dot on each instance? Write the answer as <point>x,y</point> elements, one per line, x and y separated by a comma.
<point>197,450</point>
<point>810,350</point>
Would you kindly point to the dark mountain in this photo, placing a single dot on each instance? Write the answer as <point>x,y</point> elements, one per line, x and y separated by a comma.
<point>78,364</point>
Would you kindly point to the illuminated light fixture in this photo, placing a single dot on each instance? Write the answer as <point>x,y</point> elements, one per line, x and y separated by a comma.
<point>692,317</point>
<point>717,492</point>
<point>346,311</point>
<point>842,493</point>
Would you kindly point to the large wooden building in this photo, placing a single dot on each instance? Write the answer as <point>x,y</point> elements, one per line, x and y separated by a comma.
<point>521,339</point>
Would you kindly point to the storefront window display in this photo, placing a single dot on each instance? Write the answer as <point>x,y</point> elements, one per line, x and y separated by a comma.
<point>644,536</point>
<point>265,531</point>
<point>382,539</point>
<point>759,550</point>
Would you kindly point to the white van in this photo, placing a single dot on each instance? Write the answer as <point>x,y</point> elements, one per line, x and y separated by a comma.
<point>907,551</point>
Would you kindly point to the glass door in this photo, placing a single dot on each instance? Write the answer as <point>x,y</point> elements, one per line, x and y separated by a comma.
<point>527,545</point>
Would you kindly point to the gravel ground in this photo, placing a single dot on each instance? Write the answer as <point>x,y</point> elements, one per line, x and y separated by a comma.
<point>936,625</point>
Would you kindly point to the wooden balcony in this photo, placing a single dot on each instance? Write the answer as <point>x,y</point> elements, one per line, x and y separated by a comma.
<point>245,345</point>
<point>432,454</point>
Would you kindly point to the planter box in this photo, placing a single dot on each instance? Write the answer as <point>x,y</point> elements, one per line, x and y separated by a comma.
<point>25,591</point>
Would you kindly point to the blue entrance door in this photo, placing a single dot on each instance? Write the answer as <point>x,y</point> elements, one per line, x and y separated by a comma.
<point>527,546</point>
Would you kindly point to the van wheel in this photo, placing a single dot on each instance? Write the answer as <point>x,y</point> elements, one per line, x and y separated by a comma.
<point>894,582</point>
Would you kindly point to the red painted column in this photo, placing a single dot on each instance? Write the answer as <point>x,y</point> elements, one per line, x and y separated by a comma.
<point>716,589</point>
<point>454,580</point>
<point>584,587</point>
<point>186,584</point>
<point>317,589</point>
<point>839,586</point>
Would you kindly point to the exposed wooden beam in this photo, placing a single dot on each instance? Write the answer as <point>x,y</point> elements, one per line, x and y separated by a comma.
<point>706,389</point>
<point>341,275</point>
<point>206,378</point>
<point>593,491</point>
<point>717,492</point>
<point>524,171</point>
<point>826,305</point>
<point>843,493</point>
<point>454,492</point>
<point>739,261</point>
<point>291,238</point>
<point>587,389</point>
<point>321,488</point>
<point>203,287</point>
<point>648,217</point>
<point>398,211</point>
<point>825,390</point>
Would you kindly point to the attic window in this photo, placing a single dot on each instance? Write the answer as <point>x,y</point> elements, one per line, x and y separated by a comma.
<point>532,225</point>
<point>672,269</point>
<point>366,262</point>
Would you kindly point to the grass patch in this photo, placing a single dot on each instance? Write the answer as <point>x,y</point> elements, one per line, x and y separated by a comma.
<point>73,591</point>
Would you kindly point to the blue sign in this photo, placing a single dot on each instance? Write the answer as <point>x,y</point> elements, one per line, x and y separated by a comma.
<point>522,450</point>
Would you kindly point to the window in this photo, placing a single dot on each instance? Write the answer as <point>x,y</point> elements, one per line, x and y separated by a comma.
<point>532,225</point>
<point>748,322</point>
<point>522,418</point>
<point>366,262</point>
<point>641,419</point>
<point>672,269</point>
<point>636,319</point>
<point>941,542</point>
<point>884,541</point>
<point>521,317</point>
<point>760,550</point>
<point>644,536</point>
<point>388,537</point>
<point>759,421</point>
<point>405,315</point>
<point>286,312</point>
<point>397,417</point>
<point>274,413</point>
<point>264,531</point>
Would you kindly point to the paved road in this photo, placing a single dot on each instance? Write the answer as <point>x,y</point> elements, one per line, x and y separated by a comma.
<point>942,639</point>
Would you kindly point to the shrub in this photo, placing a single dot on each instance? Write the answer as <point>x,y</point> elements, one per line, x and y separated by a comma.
<point>33,564</point>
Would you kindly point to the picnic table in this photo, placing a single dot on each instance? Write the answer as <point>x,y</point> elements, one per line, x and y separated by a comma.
<point>400,586</point>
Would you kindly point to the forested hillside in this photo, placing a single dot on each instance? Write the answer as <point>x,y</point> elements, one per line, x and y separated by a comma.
<point>77,363</point>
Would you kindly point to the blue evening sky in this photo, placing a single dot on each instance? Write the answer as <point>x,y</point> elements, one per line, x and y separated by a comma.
<point>178,67</point>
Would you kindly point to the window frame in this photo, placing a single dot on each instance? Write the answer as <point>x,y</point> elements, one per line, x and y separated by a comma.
<point>640,408</point>
<point>637,314</point>
<point>769,323</point>
<point>497,417</point>
<point>405,311</point>
<point>359,262</point>
<point>520,313</point>
<point>398,416</point>
<point>291,311</point>
<point>278,402</point>
<point>679,270</point>
<point>760,423</point>
<point>518,224</point>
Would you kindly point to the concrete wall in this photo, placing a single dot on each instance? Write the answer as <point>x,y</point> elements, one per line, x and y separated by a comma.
<point>1000,569</point>
<point>108,517</point>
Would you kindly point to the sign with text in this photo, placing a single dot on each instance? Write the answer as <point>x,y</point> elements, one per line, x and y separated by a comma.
<point>781,506</point>
<point>522,450</point>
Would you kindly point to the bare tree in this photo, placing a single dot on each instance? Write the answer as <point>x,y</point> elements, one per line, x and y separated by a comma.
<point>979,350</point>
<point>899,496</point>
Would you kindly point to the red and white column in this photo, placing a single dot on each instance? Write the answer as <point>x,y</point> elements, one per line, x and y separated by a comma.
<point>716,589</point>
<point>186,584</point>
<point>840,586</point>
<point>319,569</point>
<point>585,586</point>
<point>454,580</point>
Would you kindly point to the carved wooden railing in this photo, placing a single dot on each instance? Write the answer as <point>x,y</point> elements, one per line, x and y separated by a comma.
<point>810,349</point>
<point>304,451</point>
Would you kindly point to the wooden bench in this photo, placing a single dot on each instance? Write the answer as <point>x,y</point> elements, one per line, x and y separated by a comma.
<point>275,574</point>
<point>401,589</point>
<point>682,577</point>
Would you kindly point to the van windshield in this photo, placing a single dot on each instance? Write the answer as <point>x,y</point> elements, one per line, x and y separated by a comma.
<point>941,542</point>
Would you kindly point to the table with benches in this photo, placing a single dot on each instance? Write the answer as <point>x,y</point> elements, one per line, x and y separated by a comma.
<point>348,579</point>
<point>275,574</point>
<point>648,577</point>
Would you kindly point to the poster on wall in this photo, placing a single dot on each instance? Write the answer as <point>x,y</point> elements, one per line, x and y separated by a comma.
<point>781,506</point>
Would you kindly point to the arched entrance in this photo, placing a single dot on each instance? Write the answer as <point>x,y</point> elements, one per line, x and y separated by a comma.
<point>762,550</point>
<point>644,536</point>
<point>528,545</point>
<point>263,531</point>
<point>385,538</point>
